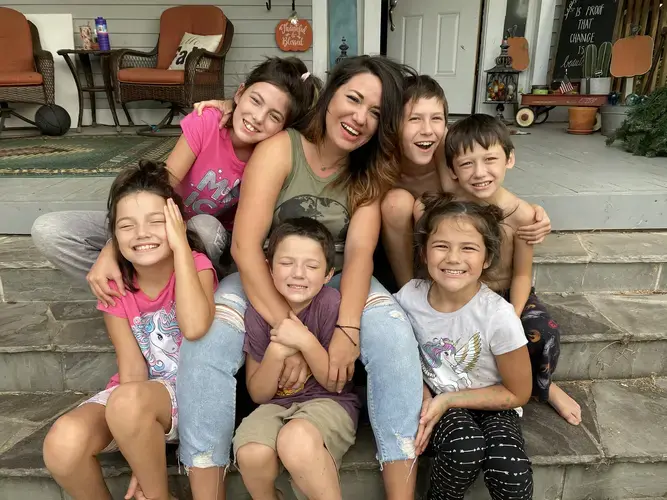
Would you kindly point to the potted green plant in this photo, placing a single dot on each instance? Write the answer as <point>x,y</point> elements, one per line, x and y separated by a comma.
<point>600,82</point>
<point>590,55</point>
<point>644,130</point>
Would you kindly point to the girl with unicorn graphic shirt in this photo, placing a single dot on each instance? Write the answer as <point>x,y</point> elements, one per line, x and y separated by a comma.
<point>475,363</point>
<point>170,287</point>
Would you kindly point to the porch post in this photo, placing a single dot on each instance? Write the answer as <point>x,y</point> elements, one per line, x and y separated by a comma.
<point>535,7</point>
<point>372,26</point>
<point>543,42</point>
<point>492,36</point>
<point>320,38</point>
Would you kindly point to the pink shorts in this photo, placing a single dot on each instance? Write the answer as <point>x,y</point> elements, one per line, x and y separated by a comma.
<point>101,398</point>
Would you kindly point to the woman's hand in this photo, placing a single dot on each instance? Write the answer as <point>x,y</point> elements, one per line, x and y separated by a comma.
<point>342,356</point>
<point>535,233</point>
<point>295,373</point>
<point>176,228</point>
<point>432,411</point>
<point>225,107</point>
<point>106,268</point>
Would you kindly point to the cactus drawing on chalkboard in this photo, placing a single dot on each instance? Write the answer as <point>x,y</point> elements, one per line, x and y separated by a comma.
<point>603,60</point>
<point>590,58</point>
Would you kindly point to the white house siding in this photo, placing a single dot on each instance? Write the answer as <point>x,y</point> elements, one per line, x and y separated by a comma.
<point>558,17</point>
<point>135,24</point>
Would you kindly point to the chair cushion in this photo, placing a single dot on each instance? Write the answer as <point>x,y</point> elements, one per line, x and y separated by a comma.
<point>176,21</point>
<point>20,79</point>
<point>190,42</point>
<point>151,76</point>
<point>15,33</point>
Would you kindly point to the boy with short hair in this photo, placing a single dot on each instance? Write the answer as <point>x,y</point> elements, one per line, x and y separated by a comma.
<point>309,429</point>
<point>423,129</point>
<point>478,153</point>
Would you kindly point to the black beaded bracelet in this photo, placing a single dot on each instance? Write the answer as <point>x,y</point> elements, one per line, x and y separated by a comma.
<point>342,329</point>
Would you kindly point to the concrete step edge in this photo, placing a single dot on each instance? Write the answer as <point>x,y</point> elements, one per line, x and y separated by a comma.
<point>371,466</point>
<point>584,338</point>
<point>537,260</point>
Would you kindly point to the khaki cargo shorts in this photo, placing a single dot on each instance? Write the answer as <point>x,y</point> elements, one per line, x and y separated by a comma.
<point>334,423</point>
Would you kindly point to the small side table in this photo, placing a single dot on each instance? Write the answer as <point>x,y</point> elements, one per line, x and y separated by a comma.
<point>91,88</point>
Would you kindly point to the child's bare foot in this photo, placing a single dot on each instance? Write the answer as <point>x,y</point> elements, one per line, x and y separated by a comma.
<point>567,407</point>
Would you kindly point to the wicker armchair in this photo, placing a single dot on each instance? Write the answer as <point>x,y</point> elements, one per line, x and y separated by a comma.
<point>26,71</point>
<point>144,76</point>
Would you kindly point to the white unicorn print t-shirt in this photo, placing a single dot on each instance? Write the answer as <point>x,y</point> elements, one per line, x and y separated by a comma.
<point>153,323</point>
<point>458,349</point>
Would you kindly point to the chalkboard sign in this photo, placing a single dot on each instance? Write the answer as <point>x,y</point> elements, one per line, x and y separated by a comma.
<point>584,22</point>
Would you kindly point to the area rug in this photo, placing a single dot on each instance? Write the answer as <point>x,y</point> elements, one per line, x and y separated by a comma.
<point>76,156</point>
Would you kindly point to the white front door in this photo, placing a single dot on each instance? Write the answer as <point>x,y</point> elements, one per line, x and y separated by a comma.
<point>439,38</point>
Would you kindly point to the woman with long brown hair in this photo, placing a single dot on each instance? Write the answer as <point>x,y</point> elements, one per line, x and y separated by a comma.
<point>336,172</point>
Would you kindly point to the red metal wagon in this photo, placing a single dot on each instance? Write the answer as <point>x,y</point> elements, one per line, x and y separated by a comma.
<point>535,107</point>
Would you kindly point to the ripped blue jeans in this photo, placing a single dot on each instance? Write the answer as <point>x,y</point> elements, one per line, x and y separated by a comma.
<point>206,386</point>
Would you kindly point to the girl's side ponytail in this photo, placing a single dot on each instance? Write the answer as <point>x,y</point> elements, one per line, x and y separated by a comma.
<point>312,87</point>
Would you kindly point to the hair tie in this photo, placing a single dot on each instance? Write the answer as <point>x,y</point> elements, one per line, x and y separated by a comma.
<point>305,76</point>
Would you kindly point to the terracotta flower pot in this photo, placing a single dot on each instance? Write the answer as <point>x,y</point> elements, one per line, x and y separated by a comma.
<point>582,119</point>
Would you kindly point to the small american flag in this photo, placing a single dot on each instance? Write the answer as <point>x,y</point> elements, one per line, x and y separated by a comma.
<point>565,85</point>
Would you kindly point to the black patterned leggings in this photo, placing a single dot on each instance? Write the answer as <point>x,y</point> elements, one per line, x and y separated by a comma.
<point>467,441</point>
<point>543,337</point>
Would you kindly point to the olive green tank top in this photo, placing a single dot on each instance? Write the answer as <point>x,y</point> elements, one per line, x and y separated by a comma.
<point>304,194</point>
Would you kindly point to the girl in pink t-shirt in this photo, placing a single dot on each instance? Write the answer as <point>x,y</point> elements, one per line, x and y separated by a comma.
<point>170,286</point>
<point>206,166</point>
<point>208,161</point>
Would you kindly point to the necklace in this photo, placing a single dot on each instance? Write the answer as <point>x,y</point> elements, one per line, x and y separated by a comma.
<point>336,164</point>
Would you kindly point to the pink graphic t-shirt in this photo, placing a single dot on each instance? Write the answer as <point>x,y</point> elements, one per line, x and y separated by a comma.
<point>212,184</point>
<point>153,323</point>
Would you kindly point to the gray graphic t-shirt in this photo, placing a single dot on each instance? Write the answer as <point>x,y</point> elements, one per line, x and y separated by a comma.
<point>305,194</point>
<point>458,349</point>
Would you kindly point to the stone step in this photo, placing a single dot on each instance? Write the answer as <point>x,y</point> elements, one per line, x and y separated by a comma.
<point>564,263</point>
<point>58,346</point>
<point>601,262</point>
<point>618,452</point>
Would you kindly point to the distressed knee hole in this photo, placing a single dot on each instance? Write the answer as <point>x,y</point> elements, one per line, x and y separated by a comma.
<point>228,314</point>
<point>407,446</point>
<point>203,460</point>
<point>379,299</point>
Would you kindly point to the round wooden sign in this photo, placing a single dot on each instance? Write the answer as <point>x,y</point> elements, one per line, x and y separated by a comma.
<point>294,35</point>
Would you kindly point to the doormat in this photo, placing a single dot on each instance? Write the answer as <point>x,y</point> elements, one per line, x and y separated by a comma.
<point>79,156</point>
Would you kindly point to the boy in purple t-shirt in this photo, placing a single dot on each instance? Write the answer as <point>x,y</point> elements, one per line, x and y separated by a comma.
<point>309,429</point>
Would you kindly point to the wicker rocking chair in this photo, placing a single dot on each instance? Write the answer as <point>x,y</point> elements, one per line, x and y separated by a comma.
<point>26,71</point>
<point>144,76</point>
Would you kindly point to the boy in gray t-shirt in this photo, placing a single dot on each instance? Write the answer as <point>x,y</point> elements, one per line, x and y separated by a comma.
<point>307,425</point>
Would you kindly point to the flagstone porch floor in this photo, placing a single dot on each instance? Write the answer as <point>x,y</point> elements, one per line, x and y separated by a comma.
<point>582,183</point>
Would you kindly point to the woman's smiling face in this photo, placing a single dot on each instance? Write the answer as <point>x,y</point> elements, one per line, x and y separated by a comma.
<point>354,112</point>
